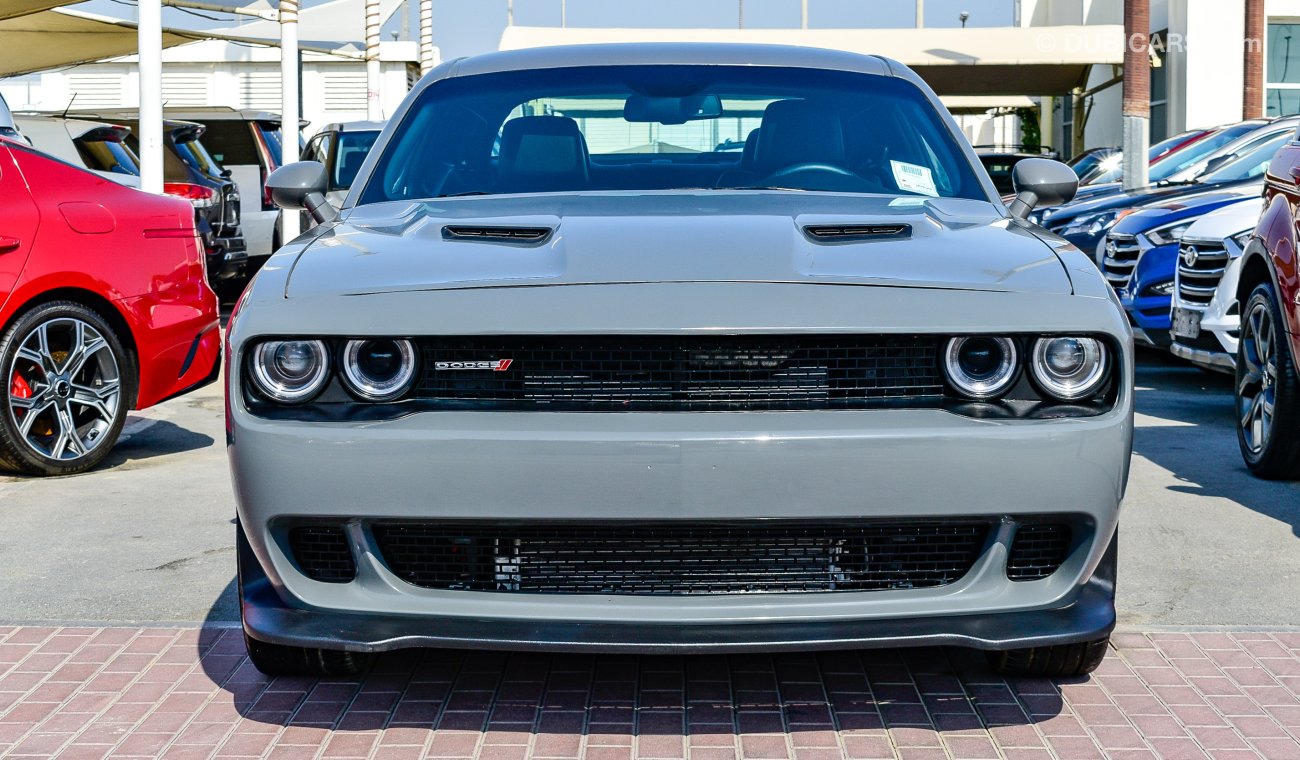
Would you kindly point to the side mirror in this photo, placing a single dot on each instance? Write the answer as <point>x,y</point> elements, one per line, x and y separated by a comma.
<point>1041,182</point>
<point>302,185</point>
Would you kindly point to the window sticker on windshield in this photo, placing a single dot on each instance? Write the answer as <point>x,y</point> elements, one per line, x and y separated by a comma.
<point>914,179</point>
<point>907,201</point>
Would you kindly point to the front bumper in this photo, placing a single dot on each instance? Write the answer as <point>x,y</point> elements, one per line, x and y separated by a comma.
<point>830,466</point>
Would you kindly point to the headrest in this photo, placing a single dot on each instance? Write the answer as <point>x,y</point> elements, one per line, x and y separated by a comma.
<point>799,132</point>
<point>750,151</point>
<point>541,154</point>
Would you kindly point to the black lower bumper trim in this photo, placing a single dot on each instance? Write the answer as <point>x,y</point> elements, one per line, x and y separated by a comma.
<point>1087,616</point>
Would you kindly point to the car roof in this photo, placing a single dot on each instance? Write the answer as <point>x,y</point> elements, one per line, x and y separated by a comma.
<point>672,53</point>
<point>355,126</point>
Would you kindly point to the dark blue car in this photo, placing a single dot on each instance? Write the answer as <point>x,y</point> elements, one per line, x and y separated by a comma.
<point>1141,257</point>
<point>1085,223</point>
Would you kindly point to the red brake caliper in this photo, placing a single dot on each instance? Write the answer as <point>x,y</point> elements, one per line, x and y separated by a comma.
<point>19,387</point>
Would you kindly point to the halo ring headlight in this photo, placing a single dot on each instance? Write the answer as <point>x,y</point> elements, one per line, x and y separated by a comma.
<point>1068,368</point>
<point>290,371</point>
<point>378,369</point>
<point>981,367</point>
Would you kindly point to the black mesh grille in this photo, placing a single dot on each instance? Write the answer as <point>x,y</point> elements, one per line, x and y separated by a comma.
<point>1037,551</point>
<point>681,373</point>
<point>322,553</point>
<point>694,558</point>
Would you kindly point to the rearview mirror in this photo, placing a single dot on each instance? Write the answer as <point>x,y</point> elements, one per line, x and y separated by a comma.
<point>670,110</point>
<point>1041,182</point>
<point>302,185</point>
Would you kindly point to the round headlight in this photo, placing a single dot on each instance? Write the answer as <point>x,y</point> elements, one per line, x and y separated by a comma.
<point>980,367</point>
<point>1069,368</point>
<point>290,371</point>
<point>378,369</point>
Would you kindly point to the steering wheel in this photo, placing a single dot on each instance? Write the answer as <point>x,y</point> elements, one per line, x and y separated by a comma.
<point>812,166</point>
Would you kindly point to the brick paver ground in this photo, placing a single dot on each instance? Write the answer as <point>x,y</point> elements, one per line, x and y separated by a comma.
<point>125,692</point>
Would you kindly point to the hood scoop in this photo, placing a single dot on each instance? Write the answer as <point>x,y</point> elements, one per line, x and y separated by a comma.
<point>497,234</point>
<point>856,233</point>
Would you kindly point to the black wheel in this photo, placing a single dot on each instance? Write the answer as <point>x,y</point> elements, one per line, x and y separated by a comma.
<point>1060,661</point>
<point>1267,391</point>
<point>68,384</point>
<point>278,660</point>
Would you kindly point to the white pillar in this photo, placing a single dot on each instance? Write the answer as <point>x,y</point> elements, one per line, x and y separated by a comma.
<point>803,14</point>
<point>426,36</point>
<point>374,107</point>
<point>289,221</point>
<point>920,13</point>
<point>150,137</point>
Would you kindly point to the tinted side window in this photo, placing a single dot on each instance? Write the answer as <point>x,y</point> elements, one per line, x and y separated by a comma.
<point>231,143</point>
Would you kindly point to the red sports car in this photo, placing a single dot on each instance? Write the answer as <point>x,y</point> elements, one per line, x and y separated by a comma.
<point>104,307</point>
<point>1268,383</point>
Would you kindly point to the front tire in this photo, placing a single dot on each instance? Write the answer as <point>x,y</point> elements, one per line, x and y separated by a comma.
<point>1267,390</point>
<point>279,660</point>
<point>1059,661</point>
<point>68,383</point>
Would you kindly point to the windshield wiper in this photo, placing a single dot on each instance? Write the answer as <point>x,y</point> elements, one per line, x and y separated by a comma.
<point>767,187</point>
<point>462,195</point>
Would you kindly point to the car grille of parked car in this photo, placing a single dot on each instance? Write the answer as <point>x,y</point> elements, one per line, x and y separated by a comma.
<point>680,373</point>
<point>1037,551</point>
<point>690,558</point>
<point>1200,267</point>
<point>1121,259</point>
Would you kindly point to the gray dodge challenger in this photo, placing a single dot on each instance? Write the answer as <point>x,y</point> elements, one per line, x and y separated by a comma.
<point>677,349</point>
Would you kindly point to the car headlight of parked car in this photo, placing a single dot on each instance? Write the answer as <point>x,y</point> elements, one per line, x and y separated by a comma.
<point>981,367</point>
<point>1068,368</point>
<point>1091,224</point>
<point>1242,239</point>
<point>378,369</point>
<point>290,371</point>
<point>1168,233</point>
<point>1162,289</point>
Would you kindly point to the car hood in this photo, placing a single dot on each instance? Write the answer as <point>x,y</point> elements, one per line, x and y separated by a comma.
<point>675,237</point>
<point>1172,210</point>
<point>1140,197</point>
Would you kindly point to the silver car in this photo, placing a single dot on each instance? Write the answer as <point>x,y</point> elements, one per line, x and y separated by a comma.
<point>565,373</point>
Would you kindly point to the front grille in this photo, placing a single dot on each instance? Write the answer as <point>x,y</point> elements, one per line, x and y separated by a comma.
<point>1037,551</point>
<point>1198,280</point>
<point>667,373</point>
<point>673,559</point>
<point>322,553</point>
<point>1121,259</point>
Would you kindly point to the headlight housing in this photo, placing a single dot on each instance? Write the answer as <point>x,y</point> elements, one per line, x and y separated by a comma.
<point>290,371</point>
<point>1168,233</point>
<point>1069,368</point>
<point>981,367</point>
<point>1091,224</point>
<point>378,369</point>
<point>1242,239</point>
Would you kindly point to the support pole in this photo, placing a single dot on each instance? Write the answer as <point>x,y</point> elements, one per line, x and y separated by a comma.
<point>1137,92</point>
<point>426,36</point>
<point>374,108</point>
<point>289,220</point>
<point>151,147</point>
<point>1252,105</point>
<point>803,14</point>
<point>920,13</point>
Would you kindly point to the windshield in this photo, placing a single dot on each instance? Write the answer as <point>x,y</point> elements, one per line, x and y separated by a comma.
<point>1197,152</point>
<point>1111,168</point>
<point>1250,165</point>
<point>108,156</point>
<point>194,154</point>
<point>633,128</point>
<point>350,153</point>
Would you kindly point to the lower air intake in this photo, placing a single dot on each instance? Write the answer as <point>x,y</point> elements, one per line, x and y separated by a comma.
<point>674,559</point>
<point>1037,551</point>
<point>322,553</point>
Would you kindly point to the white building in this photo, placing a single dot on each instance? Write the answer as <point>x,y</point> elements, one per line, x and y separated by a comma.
<point>221,73</point>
